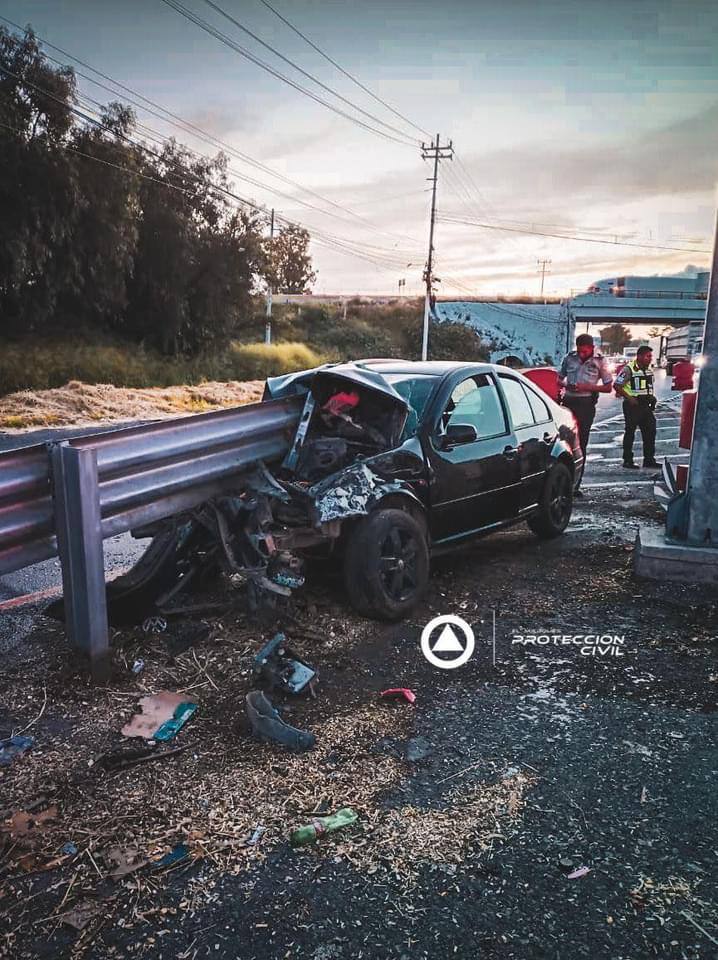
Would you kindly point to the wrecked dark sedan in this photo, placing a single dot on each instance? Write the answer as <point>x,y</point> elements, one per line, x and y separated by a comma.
<point>391,461</point>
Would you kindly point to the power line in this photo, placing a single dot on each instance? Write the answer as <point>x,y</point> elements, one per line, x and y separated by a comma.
<point>339,243</point>
<point>227,41</point>
<point>301,70</point>
<point>342,70</point>
<point>560,236</point>
<point>188,127</point>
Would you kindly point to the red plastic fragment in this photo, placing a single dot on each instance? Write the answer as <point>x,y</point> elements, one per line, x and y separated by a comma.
<point>398,692</point>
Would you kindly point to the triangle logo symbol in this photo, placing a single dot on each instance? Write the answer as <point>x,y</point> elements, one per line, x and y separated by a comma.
<point>448,642</point>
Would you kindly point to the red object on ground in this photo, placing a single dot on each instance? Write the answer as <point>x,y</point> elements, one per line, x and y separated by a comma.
<point>397,692</point>
<point>545,378</point>
<point>688,415</point>
<point>683,375</point>
<point>681,477</point>
<point>341,402</point>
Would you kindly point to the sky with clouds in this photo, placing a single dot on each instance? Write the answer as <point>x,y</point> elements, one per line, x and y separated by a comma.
<point>596,119</point>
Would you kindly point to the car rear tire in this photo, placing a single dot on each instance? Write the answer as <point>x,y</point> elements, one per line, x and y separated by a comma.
<point>554,513</point>
<point>386,564</point>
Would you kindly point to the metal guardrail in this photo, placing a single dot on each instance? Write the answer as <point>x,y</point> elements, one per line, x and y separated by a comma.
<point>62,499</point>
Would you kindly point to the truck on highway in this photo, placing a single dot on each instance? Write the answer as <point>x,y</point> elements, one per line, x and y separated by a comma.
<point>684,343</point>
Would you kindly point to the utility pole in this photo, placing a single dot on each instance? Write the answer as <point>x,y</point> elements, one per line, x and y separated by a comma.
<point>435,152</point>
<point>542,264</point>
<point>268,324</point>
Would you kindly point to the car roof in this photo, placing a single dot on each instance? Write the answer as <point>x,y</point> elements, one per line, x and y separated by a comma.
<point>426,368</point>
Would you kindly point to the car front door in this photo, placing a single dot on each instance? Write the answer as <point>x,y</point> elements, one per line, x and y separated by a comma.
<point>535,434</point>
<point>475,482</point>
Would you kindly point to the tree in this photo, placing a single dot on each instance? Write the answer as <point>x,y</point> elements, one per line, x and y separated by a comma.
<point>38,183</point>
<point>614,337</point>
<point>289,264</point>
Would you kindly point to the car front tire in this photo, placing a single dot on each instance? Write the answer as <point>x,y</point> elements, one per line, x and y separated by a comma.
<point>386,564</point>
<point>554,512</point>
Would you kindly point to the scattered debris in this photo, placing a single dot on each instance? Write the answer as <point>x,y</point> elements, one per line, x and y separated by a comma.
<point>280,666</point>
<point>177,855</point>
<point>23,823</point>
<point>124,860</point>
<point>399,693</point>
<point>138,666</point>
<point>14,747</point>
<point>156,711</point>
<point>69,849</point>
<point>82,914</point>
<point>121,758</point>
<point>576,874</point>
<point>256,836</point>
<point>321,825</point>
<point>267,724</point>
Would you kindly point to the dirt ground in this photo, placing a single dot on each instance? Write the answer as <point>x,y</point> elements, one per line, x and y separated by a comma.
<point>477,805</point>
<point>82,404</point>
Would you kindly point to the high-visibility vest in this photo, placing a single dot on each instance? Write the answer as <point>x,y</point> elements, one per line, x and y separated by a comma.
<point>640,381</point>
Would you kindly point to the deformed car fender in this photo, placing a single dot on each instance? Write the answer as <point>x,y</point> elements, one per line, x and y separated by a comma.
<point>354,492</point>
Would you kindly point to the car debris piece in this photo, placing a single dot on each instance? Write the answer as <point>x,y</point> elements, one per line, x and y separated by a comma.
<point>69,849</point>
<point>281,667</point>
<point>580,872</point>
<point>177,855</point>
<point>267,724</point>
<point>322,825</point>
<point>138,666</point>
<point>14,747</point>
<point>170,728</point>
<point>398,693</point>
<point>155,712</point>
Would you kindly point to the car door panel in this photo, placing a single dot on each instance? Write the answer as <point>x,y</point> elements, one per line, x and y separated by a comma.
<point>535,432</point>
<point>475,484</point>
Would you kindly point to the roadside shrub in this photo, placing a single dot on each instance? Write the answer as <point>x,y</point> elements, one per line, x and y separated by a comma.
<point>254,361</point>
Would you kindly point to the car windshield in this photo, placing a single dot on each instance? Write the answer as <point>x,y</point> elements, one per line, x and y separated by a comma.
<point>416,390</point>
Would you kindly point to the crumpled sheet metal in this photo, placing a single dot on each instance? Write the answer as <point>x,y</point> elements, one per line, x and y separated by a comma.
<point>351,493</point>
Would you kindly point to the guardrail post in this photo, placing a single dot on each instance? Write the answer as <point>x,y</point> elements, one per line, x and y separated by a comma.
<point>79,541</point>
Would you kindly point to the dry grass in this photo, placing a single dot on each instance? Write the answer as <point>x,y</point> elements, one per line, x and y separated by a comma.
<point>79,404</point>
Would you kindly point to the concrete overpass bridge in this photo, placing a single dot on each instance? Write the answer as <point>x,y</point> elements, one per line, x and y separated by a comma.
<point>674,311</point>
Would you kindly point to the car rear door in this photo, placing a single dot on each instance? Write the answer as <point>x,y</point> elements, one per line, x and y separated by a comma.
<point>473,484</point>
<point>535,432</point>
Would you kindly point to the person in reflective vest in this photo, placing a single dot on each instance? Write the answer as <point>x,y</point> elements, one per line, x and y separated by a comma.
<point>635,384</point>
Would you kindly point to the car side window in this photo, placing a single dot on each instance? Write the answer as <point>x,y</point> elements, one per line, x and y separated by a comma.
<point>476,402</point>
<point>520,408</point>
<point>539,408</point>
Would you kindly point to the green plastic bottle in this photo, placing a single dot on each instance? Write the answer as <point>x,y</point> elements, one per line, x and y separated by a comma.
<point>321,825</point>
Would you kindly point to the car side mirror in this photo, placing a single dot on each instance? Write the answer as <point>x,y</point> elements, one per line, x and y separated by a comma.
<point>458,433</point>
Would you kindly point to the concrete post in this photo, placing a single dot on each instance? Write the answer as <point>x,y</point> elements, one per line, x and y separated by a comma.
<point>702,505</point>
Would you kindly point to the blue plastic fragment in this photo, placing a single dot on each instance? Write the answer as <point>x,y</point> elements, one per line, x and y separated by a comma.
<point>175,856</point>
<point>170,728</point>
<point>69,849</point>
<point>13,747</point>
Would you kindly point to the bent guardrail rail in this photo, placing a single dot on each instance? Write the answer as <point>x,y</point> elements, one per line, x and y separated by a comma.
<point>63,499</point>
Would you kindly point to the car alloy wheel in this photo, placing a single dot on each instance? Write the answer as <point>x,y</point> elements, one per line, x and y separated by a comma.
<point>397,561</point>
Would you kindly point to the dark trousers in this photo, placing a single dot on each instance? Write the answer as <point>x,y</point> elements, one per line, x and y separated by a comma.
<point>640,415</point>
<point>584,410</point>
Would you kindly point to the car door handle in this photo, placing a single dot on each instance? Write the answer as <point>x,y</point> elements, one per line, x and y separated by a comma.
<point>510,452</point>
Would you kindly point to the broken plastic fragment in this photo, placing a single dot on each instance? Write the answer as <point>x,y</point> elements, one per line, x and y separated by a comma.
<point>154,712</point>
<point>581,872</point>
<point>171,859</point>
<point>397,693</point>
<point>170,728</point>
<point>281,667</point>
<point>267,724</point>
<point>14,747</point>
